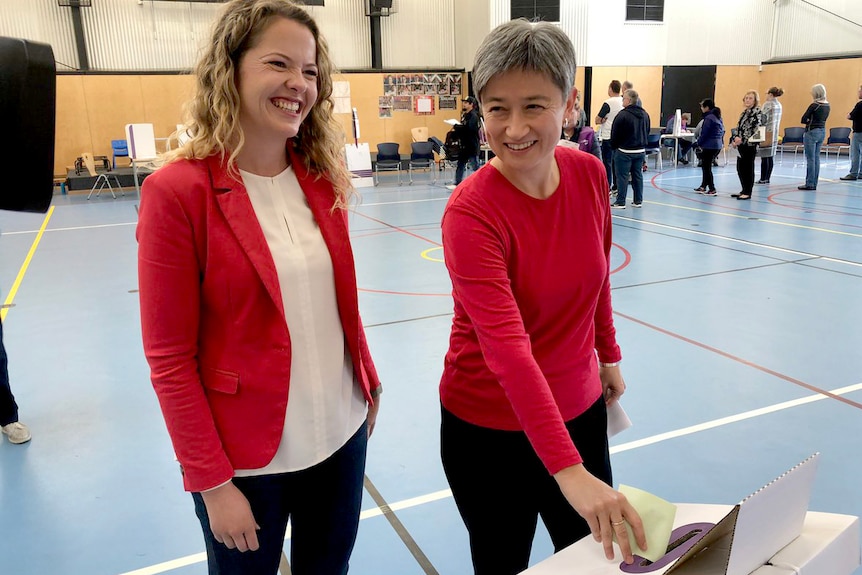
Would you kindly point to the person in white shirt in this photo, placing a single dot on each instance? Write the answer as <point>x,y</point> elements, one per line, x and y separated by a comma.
<point>605,119</point>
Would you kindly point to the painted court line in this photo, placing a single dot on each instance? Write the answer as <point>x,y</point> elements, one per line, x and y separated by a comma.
<point>23,269</point>
<point>71,229</point>
<point>446,493</point>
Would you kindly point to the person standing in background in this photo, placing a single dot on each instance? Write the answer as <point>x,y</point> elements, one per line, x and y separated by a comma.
<point>249,305</point>
<point>605,119</point>
<point>16,431</point>
<point>772,121</point>
<point>746,128</point>
<point>710,139</point>
<point>855,116</point>
<point>580,134</point>
<point>629,138</point>
<point>468,131</point>
<point>814,119</point>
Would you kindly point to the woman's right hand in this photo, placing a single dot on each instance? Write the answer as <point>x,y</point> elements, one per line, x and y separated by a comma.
<point>605,509</point>
<point>231,520</point>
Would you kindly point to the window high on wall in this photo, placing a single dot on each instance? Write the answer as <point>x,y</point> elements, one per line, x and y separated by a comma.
<point>546,10</point>
<point>644,10</point>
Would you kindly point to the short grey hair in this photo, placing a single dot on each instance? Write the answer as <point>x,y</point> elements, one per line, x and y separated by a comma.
<point>632,95</point>
<point>526,46</point>
<point>818,91</point>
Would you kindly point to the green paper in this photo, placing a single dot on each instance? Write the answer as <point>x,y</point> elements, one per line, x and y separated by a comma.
<point>657,516</point>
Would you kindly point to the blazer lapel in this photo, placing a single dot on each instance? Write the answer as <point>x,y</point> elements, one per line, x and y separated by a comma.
<point>235,205</point>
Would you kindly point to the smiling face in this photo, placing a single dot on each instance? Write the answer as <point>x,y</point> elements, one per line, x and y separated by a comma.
<point>523,114</point>
<point>277,83</point>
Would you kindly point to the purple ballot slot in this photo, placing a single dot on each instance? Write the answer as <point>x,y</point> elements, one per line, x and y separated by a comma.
<point>681,540</point>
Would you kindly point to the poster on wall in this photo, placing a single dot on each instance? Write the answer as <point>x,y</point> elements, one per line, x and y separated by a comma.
<point>454,81</point>
<point>448,102</point>
<point>390,85</point>
<point>402,103</point>
<point>423,105</point>
<point>384,106</point>
<point>341,97</point>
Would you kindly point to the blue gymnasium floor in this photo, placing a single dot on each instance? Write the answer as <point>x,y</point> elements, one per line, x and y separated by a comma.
<point>739,322</point>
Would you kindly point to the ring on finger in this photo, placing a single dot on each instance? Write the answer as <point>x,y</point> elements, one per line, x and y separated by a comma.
<point>618,523</point>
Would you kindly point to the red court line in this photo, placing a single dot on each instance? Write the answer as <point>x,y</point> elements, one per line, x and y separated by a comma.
<point>402,230</point>
<point>626,262</point>
<point>732,357</point>
<point>836,211</point>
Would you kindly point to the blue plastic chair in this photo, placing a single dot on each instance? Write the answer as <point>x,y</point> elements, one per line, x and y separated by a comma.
<point>119,149</point>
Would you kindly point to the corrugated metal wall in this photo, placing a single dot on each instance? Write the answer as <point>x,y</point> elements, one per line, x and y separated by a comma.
<point>803,30</point>
<point>574,20</point>
<point>347,31</point>
<point>501,11</point>
<point>420,34</point>
<point>41,21</point>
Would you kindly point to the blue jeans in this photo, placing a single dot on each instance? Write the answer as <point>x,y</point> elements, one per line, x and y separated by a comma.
<point>811,141</point>
<point>322,503</point>
<point>8,407</point>
<point>856,155</point>
<point>629,166</point>
<point>462,163</point>
<point>608,161</point>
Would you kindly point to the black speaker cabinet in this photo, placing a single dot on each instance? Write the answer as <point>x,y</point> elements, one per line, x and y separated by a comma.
<point>28,94</point>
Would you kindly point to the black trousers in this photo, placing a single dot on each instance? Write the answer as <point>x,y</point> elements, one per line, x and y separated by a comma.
<point>766,165</point>
<point>706,158</point>
<point>8,407</point>
<point>745,167</point>
<point>501,488</point>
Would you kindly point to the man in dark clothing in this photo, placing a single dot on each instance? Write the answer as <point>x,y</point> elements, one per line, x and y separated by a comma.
<point>855,116</point>
<point>629,136</point>
<point>468,132</point>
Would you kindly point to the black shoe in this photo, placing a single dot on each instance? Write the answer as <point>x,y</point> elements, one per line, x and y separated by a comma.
<point>762,181</point>
<point>743,197</point>
<point>715,163</point>
<point>806,188</point>
<point>734,195</point>
<point>700,189</point>
<point>848,178</point>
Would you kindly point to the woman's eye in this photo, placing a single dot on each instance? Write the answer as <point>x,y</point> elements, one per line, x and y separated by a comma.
<point>277,64</point>
<point>312,73</point>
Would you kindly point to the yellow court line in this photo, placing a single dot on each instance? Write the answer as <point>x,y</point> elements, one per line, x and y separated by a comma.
<point>759,219</point>
<point>426,254</point>
<point>25,265</point>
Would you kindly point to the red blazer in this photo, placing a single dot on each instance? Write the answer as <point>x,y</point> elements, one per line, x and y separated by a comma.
<point>212,316</point>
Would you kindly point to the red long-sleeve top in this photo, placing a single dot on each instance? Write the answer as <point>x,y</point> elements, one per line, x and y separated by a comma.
<point>531,284</point>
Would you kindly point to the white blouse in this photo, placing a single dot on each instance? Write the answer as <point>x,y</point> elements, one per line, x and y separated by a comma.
<point>325,406</point>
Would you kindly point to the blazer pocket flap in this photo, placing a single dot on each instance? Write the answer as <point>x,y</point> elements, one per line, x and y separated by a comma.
<point>219,380</point>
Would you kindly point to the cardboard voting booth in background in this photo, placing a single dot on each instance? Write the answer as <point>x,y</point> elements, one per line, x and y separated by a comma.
<point>359,165</point>
<point>771,532</point>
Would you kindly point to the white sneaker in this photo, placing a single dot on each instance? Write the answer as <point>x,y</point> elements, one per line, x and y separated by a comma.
<point>450,187</point>
<point>17,432</point>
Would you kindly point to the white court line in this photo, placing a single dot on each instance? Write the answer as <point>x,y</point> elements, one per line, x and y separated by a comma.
<point>737,240</point>
<point>446,493</point>
<point>69,229</point>
<point>363,204</point>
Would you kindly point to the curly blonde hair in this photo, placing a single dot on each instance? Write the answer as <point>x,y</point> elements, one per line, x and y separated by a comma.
<point>213,113</point>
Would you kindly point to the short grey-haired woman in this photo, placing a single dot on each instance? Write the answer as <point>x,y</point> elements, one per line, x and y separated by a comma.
<point>533,359</point>
<point>814,120</point>
<point>772,120</point>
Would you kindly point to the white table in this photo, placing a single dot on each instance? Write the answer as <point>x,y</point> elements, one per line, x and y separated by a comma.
<point>676,139</point>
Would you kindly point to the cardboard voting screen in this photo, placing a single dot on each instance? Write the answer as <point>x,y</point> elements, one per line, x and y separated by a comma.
<point>755,529</point>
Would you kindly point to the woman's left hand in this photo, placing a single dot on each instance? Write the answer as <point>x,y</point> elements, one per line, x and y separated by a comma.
<point>613,385</point>
<point>372,415</point>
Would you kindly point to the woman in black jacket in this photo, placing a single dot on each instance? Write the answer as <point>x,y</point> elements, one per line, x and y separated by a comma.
<point>814,119</point>
<point>749,120</point>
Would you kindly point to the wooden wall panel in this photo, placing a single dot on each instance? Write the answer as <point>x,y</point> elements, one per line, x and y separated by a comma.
<point>112,102</point>
<point>647,81</point>
<point>365,89</point>
<point>841,78</point>
<point>731,84</point>
<point>164,100</point>
<point>73,125</point>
